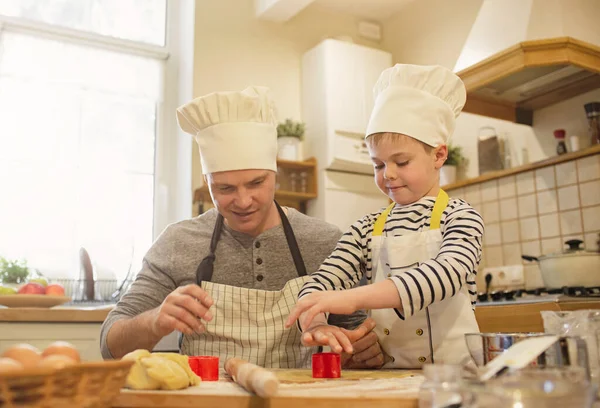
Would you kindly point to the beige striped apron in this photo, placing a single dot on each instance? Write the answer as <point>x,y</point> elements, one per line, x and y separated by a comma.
<point>249,323</point>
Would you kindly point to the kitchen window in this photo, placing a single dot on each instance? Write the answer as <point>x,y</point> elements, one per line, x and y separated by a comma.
<point>87,132</point>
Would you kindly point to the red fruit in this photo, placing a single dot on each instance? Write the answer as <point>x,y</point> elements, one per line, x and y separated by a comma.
<point>32,288</point>
<point>55,290</point>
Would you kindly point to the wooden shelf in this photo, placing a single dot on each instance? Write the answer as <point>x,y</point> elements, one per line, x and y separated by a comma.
<point>531,75</point>
<point>528,167</point>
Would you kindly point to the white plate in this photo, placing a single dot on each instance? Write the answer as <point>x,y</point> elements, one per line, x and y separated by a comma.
<point>32,300</point>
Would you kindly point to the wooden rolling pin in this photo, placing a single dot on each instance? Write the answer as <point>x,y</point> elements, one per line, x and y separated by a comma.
<point>253,378</point>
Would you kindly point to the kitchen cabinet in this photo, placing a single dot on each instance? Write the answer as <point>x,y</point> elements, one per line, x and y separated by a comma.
<point>342,74</point>
<point>296,182</point>
<point>84,336</point>
<point>511,84</point>
<point>337,99</point>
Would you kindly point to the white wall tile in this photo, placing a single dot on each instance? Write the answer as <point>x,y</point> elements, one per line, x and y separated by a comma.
<point>529,228</point>
<point>591,241</point>
<point>566,173</point>
<point>510,231</point>
<point>457,193</point>
<point>532,248</point>
<point>525,183</point>
<point>544,178</point>
<point>527,205</point>
<point>570,222</point>
<point>489,191</point>
<point>473,194</point>
<point>588,168</point>
<point>493,256</point>
<point>590,193</point>
<point>492,235</point>
<point>591,220</point>
<point>568,198</point>
<point>511,254</point>
<point>549,226</point>
<point>551,245</point>
<point>491,212</point>
<point>508,209</point>
<point>547,202</point>
<point>507,187</point>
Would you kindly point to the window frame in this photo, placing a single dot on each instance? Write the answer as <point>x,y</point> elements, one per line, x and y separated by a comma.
<point>173,149</point>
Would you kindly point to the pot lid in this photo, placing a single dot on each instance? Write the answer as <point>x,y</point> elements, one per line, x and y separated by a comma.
<point>574,249</point>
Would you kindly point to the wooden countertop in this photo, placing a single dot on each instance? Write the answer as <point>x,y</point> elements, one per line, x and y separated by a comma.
<point>356,389</point>
<point>54,315</point>
<point>522,318</point>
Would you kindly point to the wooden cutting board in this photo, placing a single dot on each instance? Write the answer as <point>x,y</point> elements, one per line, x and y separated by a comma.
<point>356,389</point>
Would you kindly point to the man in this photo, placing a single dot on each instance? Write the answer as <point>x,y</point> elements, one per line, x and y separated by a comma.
<point>228,279</point>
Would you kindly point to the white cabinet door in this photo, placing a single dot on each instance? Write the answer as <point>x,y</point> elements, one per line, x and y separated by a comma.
<point>352,71</point>
<point>345,105</point>
<point>84,336</point>
<point>374,63</point>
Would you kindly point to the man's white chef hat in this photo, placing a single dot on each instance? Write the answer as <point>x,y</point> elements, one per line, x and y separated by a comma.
<point>419,101</point>
<point>234,130</point>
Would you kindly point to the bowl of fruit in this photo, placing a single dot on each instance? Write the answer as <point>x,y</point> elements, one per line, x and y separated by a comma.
<point>18,288</point>
<point>33,293</point>
<point>56,377</point>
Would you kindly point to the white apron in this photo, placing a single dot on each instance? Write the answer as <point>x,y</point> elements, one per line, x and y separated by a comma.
<point>249,323</point>
<point>435,334</point>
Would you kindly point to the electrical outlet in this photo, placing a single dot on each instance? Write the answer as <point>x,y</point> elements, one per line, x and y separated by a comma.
<point>506,277</point>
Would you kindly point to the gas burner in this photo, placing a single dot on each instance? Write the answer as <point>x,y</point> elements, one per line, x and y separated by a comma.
<point>499,295</point>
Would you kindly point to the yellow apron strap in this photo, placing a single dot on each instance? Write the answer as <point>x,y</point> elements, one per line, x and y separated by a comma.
<point>380,221</point>
<point>441,202</point>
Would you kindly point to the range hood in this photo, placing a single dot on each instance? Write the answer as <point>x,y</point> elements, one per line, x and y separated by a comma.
<point>523,55</point>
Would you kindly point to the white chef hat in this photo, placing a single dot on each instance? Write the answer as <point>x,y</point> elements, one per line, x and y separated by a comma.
<point>419,101</point>
<point>234,130</point>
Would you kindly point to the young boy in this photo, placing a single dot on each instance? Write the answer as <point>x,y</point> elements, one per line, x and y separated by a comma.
<point>419,255</point>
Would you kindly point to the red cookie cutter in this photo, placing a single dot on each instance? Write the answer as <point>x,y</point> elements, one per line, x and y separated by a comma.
<point>326,365</point>
<point>205,367</point>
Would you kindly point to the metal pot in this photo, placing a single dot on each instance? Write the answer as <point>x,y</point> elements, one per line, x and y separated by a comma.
<point>573,267</point>
<point>567,351</point>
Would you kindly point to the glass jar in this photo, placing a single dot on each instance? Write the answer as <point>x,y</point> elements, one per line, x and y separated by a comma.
<point>442,386</point>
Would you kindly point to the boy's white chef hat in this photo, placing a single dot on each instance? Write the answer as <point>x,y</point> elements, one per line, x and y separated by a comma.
<point>419,101</point>
<point>234,130</point>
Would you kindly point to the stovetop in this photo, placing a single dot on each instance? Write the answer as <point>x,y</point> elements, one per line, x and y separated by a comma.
<point>522,296</point>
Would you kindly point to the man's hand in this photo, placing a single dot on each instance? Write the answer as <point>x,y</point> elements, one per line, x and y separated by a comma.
<point>183,309</point>
<point>367,351</point>
<point>338,301</point>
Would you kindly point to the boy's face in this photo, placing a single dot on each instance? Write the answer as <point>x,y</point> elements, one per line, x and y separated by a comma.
<point>405,169</point>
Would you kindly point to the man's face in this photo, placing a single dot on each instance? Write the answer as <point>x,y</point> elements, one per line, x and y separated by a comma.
<point>243,197</point>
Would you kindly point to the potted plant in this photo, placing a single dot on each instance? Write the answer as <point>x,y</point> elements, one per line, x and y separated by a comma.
<point>455,160</point>
<point>289,136</point>
<point>12,274</point>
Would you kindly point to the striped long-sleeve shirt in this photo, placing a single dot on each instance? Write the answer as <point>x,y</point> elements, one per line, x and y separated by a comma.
<point>432,280</point>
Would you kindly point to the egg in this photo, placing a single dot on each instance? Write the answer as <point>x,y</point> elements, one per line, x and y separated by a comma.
<point>27,355</point>
<point>62,348</point>
<point>8,365</point>
<point>56,361</point>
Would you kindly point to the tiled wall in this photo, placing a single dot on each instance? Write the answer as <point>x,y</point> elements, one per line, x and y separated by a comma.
<point>535,212</point>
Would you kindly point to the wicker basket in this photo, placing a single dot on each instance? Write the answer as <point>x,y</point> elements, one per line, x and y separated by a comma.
<point>85,385</point>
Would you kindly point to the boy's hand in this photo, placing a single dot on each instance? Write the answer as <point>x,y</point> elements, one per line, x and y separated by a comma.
<point>338,302</point>
<point>326,335</point>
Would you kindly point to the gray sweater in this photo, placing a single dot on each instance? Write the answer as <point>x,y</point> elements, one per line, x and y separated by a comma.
<point>264,262</point>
